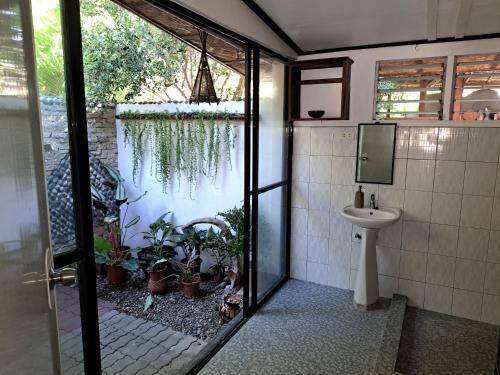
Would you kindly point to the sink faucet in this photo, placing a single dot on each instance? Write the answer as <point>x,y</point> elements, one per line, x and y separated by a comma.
<point>372,202</point>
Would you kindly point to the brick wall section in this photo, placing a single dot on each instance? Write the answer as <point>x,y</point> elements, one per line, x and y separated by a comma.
<point>101,132</point>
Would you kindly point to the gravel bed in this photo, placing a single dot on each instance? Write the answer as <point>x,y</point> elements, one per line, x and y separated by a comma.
<point>197,317</point>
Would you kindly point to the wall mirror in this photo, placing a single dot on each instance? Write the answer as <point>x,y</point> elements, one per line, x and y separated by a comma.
<point>375,155</point>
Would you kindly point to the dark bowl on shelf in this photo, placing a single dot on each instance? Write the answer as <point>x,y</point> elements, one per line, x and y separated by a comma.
<point>316,114</point>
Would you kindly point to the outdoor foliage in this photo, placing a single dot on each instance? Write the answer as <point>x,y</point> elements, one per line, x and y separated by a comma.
<point>235,217</point>
<point>49,54</point>
<point>125,57</point>
<point>190,147</point>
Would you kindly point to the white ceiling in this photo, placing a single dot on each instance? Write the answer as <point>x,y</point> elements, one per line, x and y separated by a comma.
<point>321,24</point>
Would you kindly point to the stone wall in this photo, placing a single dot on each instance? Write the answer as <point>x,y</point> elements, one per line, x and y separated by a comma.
<point>101,132</point>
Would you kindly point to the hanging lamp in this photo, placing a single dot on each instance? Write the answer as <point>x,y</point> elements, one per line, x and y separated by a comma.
<point>203,88</point>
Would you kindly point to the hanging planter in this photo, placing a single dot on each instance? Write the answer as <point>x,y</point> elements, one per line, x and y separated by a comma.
<point>203,88</point>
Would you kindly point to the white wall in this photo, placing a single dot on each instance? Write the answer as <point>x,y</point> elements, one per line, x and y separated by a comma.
<point>236,16</point>
<point>444,253</point>
<point>207,199</point>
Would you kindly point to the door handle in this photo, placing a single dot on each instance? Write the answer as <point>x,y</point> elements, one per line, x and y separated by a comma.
<point>66,276</point>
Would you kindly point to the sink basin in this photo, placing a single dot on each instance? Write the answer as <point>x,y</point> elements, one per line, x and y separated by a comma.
<point>370,218</point>
<point>371,221</point>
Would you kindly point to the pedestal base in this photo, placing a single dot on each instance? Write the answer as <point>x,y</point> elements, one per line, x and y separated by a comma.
<point>366,292</point>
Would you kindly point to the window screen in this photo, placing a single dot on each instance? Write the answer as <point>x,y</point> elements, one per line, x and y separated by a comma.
<point>477,88</point>
<point>410,89</point>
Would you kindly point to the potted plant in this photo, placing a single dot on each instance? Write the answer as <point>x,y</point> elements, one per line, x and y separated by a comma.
<point>190,280</point>
<point>117,263</point>
<point>117,229</point>
<point>154,258</point>
<point>234,240</point>
<point>192,242</point>
<point>217,247</point>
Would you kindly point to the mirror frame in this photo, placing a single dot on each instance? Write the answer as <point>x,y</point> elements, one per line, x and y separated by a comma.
<point>377,123</point>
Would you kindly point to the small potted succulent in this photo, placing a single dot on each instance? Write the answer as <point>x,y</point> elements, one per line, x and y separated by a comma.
<point>117,263</point>
<point>190,281</point>
<point>154,258</point>
<point>217,248</point>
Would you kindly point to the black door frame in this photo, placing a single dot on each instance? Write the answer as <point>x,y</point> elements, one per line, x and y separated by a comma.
<point>80,174</point>
<point>77,120</point>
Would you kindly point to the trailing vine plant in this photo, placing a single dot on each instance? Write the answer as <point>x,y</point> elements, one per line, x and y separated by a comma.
<point>181,144</point>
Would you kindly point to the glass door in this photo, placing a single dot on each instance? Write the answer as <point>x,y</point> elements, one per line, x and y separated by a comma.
<point>50,322</point>
<point>269,184</point>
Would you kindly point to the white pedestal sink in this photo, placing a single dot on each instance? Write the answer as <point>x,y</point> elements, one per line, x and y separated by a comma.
<point>370,220</point>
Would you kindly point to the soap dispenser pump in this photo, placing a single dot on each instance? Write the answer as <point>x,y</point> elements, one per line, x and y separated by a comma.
<point>359,198</point>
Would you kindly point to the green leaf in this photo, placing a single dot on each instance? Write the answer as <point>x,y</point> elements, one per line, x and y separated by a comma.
<point>136,250</point>
<point>163,260</point>
<point>131,264</point>
<point>139,197</point>
<point>102,245</point>
<point>132,222</point>
<point>96,194</point>
<point>101,258</point>
<point>148,303</point>
<point>111,219</point>
<point>114,173</point>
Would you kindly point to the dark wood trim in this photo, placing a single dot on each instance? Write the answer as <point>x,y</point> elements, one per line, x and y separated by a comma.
<point>320,81</point>
<point>335,62</point>
<point>317,119</point>
<point>404,43</point>
<point>273,25</point>
<point>346,89</point>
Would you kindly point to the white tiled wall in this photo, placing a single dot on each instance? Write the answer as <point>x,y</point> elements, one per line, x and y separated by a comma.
<point>444,253</point>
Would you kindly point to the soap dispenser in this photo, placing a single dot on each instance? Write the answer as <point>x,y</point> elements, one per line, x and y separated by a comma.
<point>359,198</point>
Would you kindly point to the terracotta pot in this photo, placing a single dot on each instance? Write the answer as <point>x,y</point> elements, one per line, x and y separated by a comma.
<point>116,274</point>
<point>191,290</point>
<point>157,283</point>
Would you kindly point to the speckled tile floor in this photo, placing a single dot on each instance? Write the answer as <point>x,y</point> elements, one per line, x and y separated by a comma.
<point>305,329</point>
<point>313,329</point>
<point>438,344</point>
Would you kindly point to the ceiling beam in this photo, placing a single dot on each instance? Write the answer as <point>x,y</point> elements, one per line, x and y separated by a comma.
<point>401,43</point>
<point>272,25</point>
<point>462,18</point>
<point>432,18</point>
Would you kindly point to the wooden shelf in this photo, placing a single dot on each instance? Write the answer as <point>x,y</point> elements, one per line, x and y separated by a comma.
<point>295,83</point>
<point>317,119</point>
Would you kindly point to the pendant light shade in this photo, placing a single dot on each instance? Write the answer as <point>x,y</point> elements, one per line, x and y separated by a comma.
<point>203,88</point>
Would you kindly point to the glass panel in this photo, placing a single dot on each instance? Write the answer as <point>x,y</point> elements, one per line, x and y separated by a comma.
<point>51,87</point>
<point>70,328</point>
<point>28,338</point>
<point>50,79</point>
<point>271,239</point>
<point>272,152</point>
